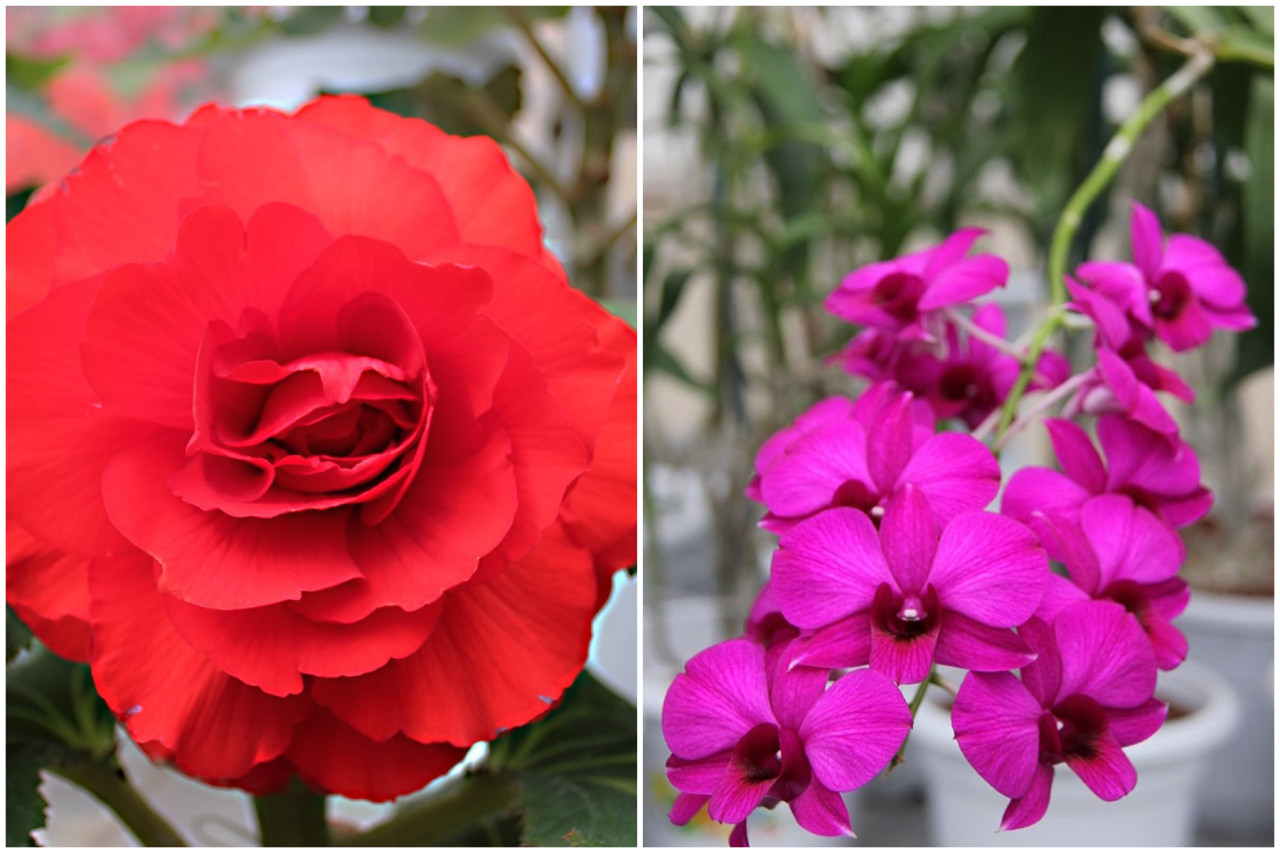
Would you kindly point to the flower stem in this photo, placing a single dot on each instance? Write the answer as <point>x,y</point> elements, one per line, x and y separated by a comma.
<point>110,786</point>
<point>1041,405</point>
<point>293,818</point>
<point>915,703</point>
<point>474,799</point>
<point>1116,152</point>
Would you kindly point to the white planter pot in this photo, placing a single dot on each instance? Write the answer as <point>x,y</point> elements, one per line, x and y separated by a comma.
<point>1160,811</point>
<point>1235,637</point>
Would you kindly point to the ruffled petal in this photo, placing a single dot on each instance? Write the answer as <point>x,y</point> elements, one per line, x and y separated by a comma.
<point>49,590</point>
<point>57,432</point>
<point>211,559</point>
<point>273,647</point>
<point>331,756</point>
<point>491,203</point>
<point>147,324</point>
<point>254,156</point>
<point>216,726</point>
<point>503,651</point>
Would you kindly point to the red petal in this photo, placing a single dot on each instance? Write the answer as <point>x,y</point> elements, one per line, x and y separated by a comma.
<point>546,455</point>
<point>123,204</point>
<point>59,441</point>
<point>558,326</point>
<point>272,647</point>
<point>255,156</point>
<point>491,202</point>
<point>450,516</point>
<point>29,259</point>
<point>166,691</point>
<point>600,511</point>
<point>144,334</point>
<point>334,758</point>
<point>503,651</point>
<point>49,590</point>
<point>211,559</point>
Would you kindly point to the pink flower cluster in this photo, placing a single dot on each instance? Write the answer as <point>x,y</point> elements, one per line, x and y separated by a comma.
<point>890,562</point>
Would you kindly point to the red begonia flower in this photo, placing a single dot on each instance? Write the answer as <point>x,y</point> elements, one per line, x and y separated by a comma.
<point>314,454</point>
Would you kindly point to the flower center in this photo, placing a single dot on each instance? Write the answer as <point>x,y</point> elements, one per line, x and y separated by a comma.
<point>905,615</point>
<point>1169,294</point>
<point>1071,728</point>
<point>898,294</point>
<point>758,754</point>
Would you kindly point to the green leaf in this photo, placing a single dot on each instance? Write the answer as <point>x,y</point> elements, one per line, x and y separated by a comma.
<point>623,309</point>
<point>1198,20</point>
<point>1255,348</point>
<point>576,812</point>
<point>31,73</point>
<point>459,26</point>
<point>17,636</point>
<point>576,770</point>
<point>310,20</point>
<point>386,16</point>
<point>456,106</point>
<point>24,807</point>
<point>672,289</point>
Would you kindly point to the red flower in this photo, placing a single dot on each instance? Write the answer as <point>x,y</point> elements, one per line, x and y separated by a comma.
<point>314,455</point>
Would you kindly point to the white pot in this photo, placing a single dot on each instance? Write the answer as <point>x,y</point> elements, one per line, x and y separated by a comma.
<point>1160,811</point>
<point>1235,637</point>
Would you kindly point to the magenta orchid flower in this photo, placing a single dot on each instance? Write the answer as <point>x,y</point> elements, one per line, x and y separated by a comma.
<point>743,736</point>
<point>1087,695</point>
<point>896,295</point>
<point>1181,290</point>
<point>911,594</point>
<point>1114,386</point>
<point>841,455</point>
<point>973,378</point>
<point>1121,552</point>
<point>1158,472</point>
<point>766,625</point>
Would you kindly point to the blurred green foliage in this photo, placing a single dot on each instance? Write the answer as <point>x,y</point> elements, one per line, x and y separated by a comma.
<point>805,158</point>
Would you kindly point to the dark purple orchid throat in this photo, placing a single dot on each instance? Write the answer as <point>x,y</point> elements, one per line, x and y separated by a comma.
<point>890,560</point>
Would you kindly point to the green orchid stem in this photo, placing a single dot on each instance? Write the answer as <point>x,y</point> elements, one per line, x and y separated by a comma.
<point>1115,154</point>
<point>476,798</point>
<point>110,786</point>
<point>915,703</point>
<point>292,818</point>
